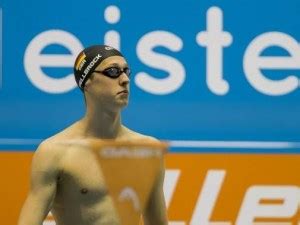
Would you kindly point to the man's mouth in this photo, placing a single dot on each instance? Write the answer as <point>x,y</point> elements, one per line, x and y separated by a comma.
<point>124,91</point>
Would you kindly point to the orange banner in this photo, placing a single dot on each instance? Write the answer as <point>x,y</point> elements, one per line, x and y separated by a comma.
<point>227,189</point>
<point>14,173</point>
<point>200,189</point>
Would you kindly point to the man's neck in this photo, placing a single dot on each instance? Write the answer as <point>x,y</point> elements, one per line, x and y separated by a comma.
<point>100,123</point>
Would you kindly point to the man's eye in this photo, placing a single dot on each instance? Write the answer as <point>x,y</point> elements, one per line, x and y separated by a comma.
<point>127,71</point>
<point>113,69</point>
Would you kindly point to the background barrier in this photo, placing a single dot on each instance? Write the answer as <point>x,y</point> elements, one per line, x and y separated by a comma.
<point>218,79</point>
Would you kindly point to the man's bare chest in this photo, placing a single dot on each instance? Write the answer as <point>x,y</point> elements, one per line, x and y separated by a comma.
<point>81,177</point>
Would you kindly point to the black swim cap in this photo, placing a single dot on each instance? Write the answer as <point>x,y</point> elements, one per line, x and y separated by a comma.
<point>89,59</point>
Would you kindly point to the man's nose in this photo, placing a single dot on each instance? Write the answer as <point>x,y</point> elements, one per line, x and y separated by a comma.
<point>124,79</point>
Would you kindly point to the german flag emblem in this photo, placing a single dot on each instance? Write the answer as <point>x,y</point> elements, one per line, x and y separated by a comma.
<point>81,59</point>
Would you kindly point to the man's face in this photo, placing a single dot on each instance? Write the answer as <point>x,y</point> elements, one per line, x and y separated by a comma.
<point>110,92</point>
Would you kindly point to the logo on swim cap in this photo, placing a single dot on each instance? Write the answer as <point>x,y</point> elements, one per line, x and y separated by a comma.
<point>108,48</point>
<point>81,61</point>
<point>88,68</point>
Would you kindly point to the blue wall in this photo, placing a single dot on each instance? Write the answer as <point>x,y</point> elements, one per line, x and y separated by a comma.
<point>216,70</point>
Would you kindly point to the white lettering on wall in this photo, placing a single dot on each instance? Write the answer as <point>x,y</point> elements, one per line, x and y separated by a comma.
<point>254,63</point>
<point>175,69</point>
<point>34,61</point>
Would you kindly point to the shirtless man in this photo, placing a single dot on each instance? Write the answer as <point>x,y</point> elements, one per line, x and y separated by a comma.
<point>65,177</point>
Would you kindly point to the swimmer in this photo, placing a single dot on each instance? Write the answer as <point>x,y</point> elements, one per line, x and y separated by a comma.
<point>65,177</point>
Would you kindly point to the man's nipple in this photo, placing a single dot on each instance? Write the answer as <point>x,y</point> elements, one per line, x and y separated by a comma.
<point>84,191</point>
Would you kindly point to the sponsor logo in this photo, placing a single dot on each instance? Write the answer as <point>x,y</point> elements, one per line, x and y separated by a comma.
<point>108,48</point>
<point>232,189</point>
<point>128,194</point>
<point>254,63</point>
<point>130,153</point>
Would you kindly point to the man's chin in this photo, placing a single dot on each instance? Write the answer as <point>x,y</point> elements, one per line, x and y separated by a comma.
<point>122,103</point>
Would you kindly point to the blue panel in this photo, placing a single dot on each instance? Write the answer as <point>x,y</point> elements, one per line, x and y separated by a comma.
<point>1,37</point>
<point>238,44</point>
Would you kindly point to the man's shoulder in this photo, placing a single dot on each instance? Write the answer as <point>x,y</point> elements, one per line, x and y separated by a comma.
<point>47,156</point>
<point>48,148</point>
<point>59,139</point>
<point>54,144</point>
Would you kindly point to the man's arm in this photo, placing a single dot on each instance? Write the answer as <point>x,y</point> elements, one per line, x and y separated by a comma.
<point>156,213</point>
<point>44,175</point>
